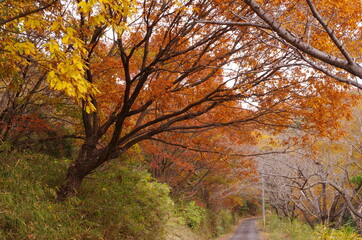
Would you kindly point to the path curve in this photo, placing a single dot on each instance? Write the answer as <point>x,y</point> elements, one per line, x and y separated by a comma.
<point>247,230</point>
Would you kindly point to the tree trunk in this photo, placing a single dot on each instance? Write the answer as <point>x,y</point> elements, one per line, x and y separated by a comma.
<point>341,216</point>
<point>323,208</point>
<point>88,159</point>
<point>359,220</point>
<point>307,217</point>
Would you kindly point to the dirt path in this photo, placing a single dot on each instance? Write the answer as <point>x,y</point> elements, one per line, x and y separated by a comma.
<point>247,230</point>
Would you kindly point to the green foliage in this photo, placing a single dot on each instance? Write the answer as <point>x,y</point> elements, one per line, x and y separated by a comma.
<point>357,179</point>
<point>192,214</point>
<point>279,228</point>
<point>203,222</point>
<point>225,221</point>
<point>216,224</point>
<point>27,201</point>
<point>119,203</point>
<point>130,203</point>
<point>244,209</point>
<point>227,218</point>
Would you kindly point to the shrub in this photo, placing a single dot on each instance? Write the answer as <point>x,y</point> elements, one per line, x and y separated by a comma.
<point>192,214</point>
<point>225,221</point>
<point>129,203</point>
<point>215,224</point>
<point>27,202</point>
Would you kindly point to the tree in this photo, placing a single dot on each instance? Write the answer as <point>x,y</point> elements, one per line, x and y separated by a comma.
<point>172,74</point>
<point>169,75</point>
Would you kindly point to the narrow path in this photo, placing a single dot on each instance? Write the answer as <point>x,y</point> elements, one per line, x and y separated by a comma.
<point>246,230</point>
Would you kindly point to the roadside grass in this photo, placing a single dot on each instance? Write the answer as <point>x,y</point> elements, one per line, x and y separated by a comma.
<point>277,229</point>
<point>292,229</point>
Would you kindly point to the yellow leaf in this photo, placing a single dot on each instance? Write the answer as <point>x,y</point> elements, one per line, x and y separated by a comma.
<point>53,47</point>
<point>71,31</point>
<point>78,63</point>
<point>65,39</point>
<point>90,108</point>
<point>84,7</point>
<point>55,26</point>
<point>82,4</point>
<point>82,88</point>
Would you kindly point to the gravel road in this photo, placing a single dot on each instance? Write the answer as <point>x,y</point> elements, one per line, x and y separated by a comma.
<point>246,230</point>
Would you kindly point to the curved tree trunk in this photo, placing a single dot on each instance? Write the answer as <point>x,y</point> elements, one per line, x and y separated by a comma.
<point>87,160</point>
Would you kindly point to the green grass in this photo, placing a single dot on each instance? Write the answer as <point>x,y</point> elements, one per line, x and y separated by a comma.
<point>278,228</point>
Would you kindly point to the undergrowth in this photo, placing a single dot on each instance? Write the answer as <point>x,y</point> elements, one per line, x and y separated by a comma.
<point>121,203</point>
<point>292,229</point>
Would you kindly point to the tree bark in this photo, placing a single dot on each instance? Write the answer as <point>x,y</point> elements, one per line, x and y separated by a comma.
<point>89,158</point>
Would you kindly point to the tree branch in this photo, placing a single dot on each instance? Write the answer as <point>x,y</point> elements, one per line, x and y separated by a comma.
<point>2,22</point>
<point>351,67</point>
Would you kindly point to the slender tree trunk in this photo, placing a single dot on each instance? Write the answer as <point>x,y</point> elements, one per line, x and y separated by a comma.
<point>324,215</point>
<point>341,215</point>
<point>359,220</point>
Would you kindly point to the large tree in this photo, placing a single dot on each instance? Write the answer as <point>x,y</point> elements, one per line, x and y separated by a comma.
<point>161,70</point>
<point>167,73</point>
<point>170,73</point>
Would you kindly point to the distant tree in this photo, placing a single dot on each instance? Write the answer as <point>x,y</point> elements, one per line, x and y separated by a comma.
<point>315,182</point>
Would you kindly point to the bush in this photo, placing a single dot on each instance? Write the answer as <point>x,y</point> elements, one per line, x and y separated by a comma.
<point>215,224</point>
<point>225,221</point>
<point>191,214</point>
<point>27,202</point>
<point>129,203</point>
